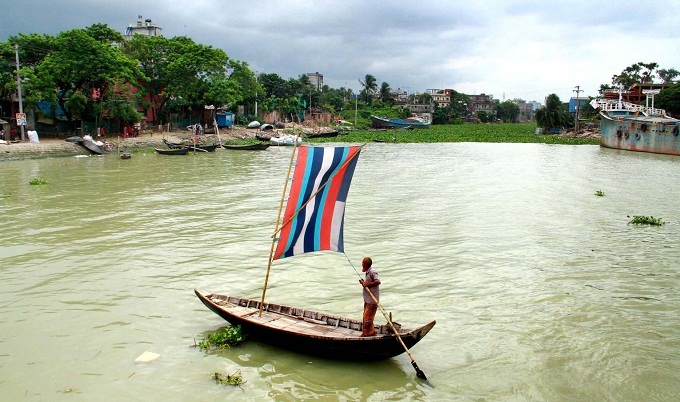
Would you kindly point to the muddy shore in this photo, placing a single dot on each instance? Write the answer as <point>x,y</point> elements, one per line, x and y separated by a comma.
<point>51,147</point>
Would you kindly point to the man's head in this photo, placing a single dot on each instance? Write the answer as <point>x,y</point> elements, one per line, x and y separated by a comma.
<point>366,264</point>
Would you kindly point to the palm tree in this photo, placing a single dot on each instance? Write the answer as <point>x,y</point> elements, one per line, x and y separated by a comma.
<point>550,116</point>
<point>386,93</point>
<point>370,85</point>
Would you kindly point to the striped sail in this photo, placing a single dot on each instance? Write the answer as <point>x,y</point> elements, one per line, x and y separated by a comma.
<point>318,193</point>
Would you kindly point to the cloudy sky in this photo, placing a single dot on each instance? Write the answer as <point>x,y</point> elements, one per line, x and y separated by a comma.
<point>507,48</point>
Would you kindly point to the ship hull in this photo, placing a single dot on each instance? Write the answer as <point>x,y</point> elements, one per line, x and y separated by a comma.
<point>640,133</point>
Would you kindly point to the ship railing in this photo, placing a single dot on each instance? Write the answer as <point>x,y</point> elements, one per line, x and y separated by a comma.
<point>611,104</point>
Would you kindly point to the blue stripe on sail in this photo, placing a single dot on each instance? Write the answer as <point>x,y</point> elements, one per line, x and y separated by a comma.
<point>347,180</point>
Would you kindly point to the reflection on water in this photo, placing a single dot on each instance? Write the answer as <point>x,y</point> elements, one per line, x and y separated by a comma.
<point>541,290</point>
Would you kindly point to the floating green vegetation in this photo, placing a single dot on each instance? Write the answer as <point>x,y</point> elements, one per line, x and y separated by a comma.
<point>234,379</point>
<point>599,193</point>
<point>504,132</point>
<point>223,338</point>
<point>5,194</point>
<point>645,220</point>
<point>37,182</point>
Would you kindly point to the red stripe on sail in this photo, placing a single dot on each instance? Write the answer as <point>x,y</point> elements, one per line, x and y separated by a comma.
<point>329,209</point>
<point>291,204</point>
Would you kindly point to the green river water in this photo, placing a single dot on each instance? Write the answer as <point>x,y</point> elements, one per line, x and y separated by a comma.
<point>541,290</point>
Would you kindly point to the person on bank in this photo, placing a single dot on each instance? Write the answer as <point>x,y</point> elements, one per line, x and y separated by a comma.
<point>372,284</point>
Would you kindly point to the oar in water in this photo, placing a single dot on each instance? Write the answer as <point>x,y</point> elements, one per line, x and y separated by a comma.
<point>419,373</point>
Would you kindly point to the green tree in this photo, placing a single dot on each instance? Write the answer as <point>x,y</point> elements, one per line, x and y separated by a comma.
<point>79,63</point>
<point>668,75</point>
<point>553,114</point>
<point>507,111</point>
<point>191,71</point>
<point>635,74</point>
<point>104,34</point>
<point>386,95</point>
<point>274,86</point>
<point>370,85</point>
<point>32,51</point>
<point>669,99</point>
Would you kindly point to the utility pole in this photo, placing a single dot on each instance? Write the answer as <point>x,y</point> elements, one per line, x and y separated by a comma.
<point>577,90</point>
<point>21,105</point>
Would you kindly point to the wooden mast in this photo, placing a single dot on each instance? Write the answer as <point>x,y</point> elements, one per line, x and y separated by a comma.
<point>278,220</point>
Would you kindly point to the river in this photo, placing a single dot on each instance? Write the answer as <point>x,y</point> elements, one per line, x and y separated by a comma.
<point>541,289</point>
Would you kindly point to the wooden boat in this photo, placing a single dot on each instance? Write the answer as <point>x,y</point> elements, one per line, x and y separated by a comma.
<point>410,123</point>
<point>323,134</point>
<point>633,127</point>
<point>91,146</point>
<point>201,148</point>
<point>248,147</point>
<point>173,151</point>
<point>76,138</point>
<point>174,144</point>
<point>311,332</point>
<point>286,139</point>
<point>314,221</point>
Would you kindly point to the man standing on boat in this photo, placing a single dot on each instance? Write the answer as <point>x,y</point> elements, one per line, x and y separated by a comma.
<point>371,284</point>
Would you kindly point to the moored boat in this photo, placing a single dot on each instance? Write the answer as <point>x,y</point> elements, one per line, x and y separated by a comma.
<point>202,148</point>
<point>248,147</point>
<point>91,146</point>
<point>410,123</point>
<point>172,151</point>
<point>634,127</point>
<point>286,139</point>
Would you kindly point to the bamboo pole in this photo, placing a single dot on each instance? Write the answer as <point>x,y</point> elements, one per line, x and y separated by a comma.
<point>217,130</point>
<point>278,220</point>
<point>419,373</point>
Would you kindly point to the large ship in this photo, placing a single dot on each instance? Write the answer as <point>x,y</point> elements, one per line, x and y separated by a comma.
<point>635,127</point>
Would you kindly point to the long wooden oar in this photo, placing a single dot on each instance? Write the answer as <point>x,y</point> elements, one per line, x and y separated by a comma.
<point>419,372</point>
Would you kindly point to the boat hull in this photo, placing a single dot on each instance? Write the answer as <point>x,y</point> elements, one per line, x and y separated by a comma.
<point>310,332</point>
<point>202,148</point>
<point>173,151</point>
<point>640,133</point>
<point>379,122</point>
<point>248,147</point>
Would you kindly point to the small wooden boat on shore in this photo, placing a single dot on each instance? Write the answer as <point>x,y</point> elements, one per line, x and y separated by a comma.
<point>311,332</point>
<point>202,148</point>
<point>91,146</point>
<point>172,151</point>
<point>322,134</point>
<point>171,144</point>
<point>248,147</point>
<point>410,123</point>
<point>286,139</point>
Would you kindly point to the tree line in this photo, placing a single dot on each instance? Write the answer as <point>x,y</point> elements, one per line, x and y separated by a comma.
<point>93,74</point>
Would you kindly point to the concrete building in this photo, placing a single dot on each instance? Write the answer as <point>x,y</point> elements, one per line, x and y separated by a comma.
<point>482,103</point>
<point>316,80</point>
<point>142,27</point>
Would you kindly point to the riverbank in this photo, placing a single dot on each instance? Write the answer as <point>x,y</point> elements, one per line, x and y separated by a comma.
<point>50,147</point>
<point>501,133</point>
